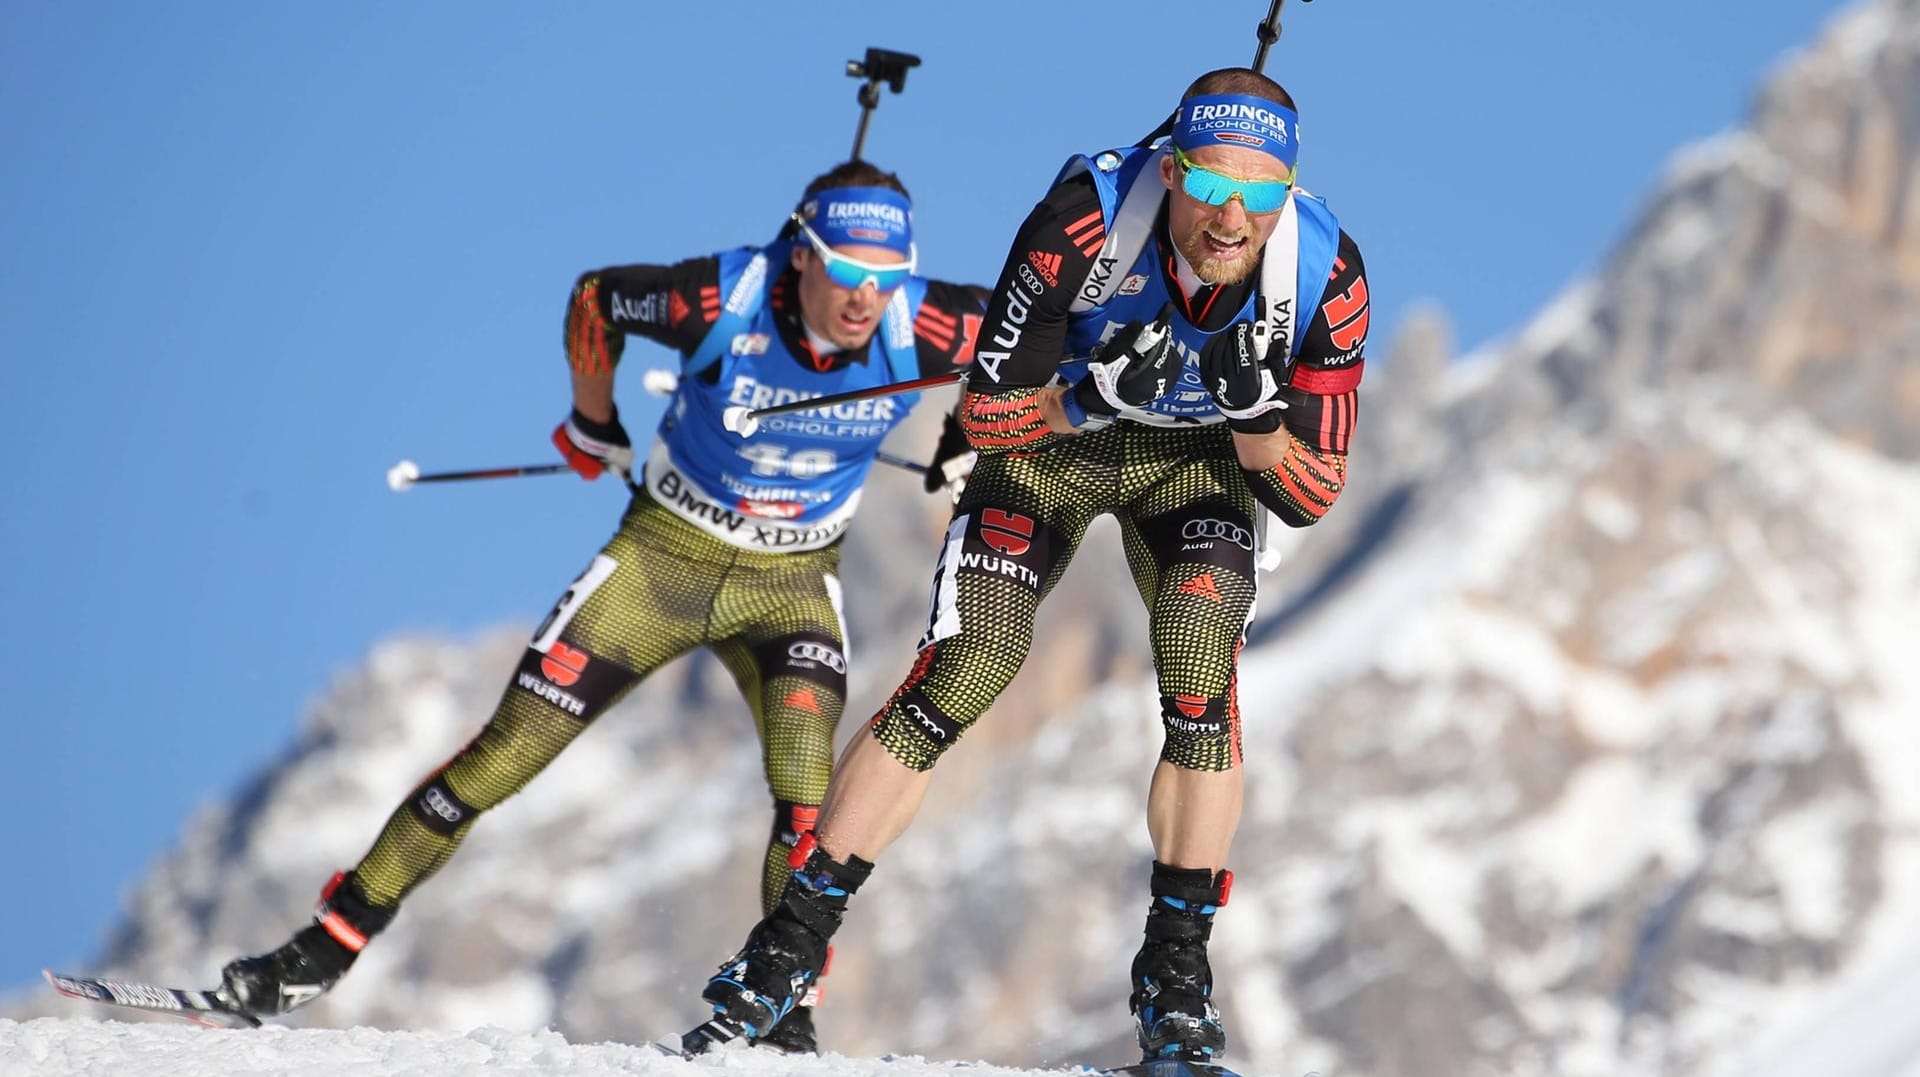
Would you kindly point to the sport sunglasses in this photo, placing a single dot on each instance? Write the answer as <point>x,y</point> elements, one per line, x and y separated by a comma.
<point>1259,196</point>
<point>852,272</point>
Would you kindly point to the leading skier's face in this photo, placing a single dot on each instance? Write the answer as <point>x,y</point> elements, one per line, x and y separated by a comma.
<point>1222,243</point>
<point>846,316</point>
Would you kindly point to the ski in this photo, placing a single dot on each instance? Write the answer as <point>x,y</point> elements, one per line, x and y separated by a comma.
<point>209,1008</point>
<point>709,1034</point>
<point>1168,1067</point>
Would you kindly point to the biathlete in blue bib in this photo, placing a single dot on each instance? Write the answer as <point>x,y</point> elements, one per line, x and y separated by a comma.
<point>1176,339</point>
<point>729,543</point>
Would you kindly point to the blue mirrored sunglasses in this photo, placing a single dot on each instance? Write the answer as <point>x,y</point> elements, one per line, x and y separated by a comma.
<point>1259,196</point>
<point>852,272</point>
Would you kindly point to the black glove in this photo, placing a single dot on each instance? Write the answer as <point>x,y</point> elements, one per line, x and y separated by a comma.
<point>592,447</point>
<point>1135,367</point>
<point>953,460</point>
<point>1241,383</point>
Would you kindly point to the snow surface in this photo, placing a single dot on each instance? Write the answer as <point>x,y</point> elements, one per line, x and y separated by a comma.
<point>51,1047</point>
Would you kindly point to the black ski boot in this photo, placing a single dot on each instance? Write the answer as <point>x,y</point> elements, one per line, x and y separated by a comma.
<point>785,953</point>
<point>794,1034</point>
<point>313,960</point>
<point>1172,1000</point>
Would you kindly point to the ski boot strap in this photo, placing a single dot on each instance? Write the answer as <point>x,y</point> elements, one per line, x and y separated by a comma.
<point>1193,891</point>
<point>816,895</point>
<point>347,916</point>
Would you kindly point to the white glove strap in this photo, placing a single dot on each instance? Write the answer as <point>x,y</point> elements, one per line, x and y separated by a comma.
<point>1269,399</point>
<point>1105,376</point>
<point>617,457</point>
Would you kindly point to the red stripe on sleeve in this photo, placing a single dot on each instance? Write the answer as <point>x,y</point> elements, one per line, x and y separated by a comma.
<point>1328,382</point>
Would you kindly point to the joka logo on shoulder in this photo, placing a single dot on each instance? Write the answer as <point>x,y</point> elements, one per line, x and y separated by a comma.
<point>563,665</point>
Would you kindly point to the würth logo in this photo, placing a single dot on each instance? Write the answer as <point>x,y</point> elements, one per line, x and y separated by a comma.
<point>1047,265</point>
<point>1008,532</point>
<point>563,665</point>
<point>1191,706</point>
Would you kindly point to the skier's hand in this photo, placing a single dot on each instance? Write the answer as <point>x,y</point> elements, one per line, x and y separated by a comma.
<point>1239,380</point>
<point>1137,366</point>
<point>953,460</point>
<point>593,447</point>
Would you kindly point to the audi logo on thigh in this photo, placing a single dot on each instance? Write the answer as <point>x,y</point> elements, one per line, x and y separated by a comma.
<point>818,652</point>
<point>1218,529</point>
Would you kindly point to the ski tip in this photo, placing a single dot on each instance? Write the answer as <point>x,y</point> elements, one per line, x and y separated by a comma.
<point>67,985</point>
<point>212,1009</point>
<point>708,1035</point>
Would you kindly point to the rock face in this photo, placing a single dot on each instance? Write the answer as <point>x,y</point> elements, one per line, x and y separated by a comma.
<point>1580,736</point>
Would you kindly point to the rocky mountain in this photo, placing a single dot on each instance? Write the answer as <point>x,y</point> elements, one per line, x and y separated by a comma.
<point>1580,736</point>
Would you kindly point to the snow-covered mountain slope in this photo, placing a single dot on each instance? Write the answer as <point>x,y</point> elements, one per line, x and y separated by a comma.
<point>1579,736</point>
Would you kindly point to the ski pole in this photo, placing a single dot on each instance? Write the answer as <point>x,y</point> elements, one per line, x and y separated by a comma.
<point>402,476</point>
<point>744,420</point>
<point>901,462</point>
<point>664,382</point>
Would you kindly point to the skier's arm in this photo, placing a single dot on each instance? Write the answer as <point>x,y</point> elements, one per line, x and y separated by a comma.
<point>1006,406</point>
<point>945,332</point>
<point>672,305</point>
<point>1299,470</point>
<point>948,326</point>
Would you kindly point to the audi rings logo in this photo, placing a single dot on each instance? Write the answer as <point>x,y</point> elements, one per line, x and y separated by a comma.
<point>438,803</point>
<point>932,727</point>
<point>807,651</point>
<point>1226,531</point>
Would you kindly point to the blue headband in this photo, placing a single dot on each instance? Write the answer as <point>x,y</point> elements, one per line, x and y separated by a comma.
<point>863,216</point>
<point>1238,120</point>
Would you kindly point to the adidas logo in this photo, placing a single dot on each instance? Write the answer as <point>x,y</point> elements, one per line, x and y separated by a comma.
<point>1047,265</point>
<point>1203,586</point>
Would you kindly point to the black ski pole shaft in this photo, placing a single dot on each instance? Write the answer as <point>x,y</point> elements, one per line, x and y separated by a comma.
<point>901,462</point>
<point>738,417</point>
<point>406,473</point>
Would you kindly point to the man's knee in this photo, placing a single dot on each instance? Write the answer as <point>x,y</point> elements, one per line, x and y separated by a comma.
<point>1202,732</point>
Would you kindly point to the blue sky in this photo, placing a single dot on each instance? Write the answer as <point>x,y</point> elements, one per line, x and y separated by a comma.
<point>253,254</point>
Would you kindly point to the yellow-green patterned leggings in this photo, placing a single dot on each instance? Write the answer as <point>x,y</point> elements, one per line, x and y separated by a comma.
<point>659,589</point>
<point>1187,522</point>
